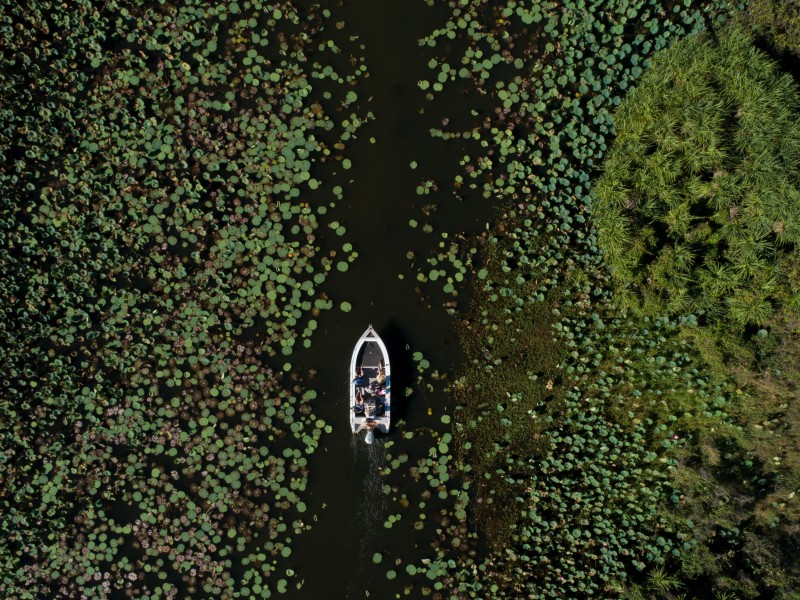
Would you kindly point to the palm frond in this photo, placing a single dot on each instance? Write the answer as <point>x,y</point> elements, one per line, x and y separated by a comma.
<point>678,220</point>
<point>718,278</point>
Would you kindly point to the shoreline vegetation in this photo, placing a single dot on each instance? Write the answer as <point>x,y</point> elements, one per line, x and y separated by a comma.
<point>630,448</point>
<point>624,423</point>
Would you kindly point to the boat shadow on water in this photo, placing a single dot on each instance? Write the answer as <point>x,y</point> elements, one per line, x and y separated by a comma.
<point>403,373</point>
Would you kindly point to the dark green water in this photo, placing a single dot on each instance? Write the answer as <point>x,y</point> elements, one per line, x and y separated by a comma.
<point>335,557</point>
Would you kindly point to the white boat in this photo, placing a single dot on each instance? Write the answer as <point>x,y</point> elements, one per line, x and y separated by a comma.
<point>371,396</point>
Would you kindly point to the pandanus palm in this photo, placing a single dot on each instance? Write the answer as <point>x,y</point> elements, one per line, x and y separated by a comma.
<point>703,181</point>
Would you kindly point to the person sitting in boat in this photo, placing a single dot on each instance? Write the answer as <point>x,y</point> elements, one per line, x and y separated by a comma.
<point>369,408</point>
<point>381,379</point>
<point>359,405</point>
<point>359,379</point>
<point>368,425</point>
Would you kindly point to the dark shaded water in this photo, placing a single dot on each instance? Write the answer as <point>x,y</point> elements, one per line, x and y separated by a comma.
<point>335,557</point>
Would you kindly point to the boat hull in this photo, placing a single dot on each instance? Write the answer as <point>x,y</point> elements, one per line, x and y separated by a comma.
<point>369,353</point>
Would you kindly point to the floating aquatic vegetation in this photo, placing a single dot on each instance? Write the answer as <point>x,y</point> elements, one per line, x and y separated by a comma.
<point>161,217</point>
<point>556,72</point>
<point>568,83</point>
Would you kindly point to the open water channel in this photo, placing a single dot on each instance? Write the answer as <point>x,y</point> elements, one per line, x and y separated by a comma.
<point>345,482</point>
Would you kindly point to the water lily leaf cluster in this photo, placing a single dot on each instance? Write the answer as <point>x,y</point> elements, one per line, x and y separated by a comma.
<point>530,415</point>
<point>165,180</point>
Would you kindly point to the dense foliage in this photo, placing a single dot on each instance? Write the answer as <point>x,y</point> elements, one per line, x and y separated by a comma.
<point>165,179</point>
<point>776,20</point>
<point>564,397</point>
<point>158,220</point>
<point>698,209</point>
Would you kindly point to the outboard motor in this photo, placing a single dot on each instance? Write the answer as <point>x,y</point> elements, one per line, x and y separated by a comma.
<point>370,437</point>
